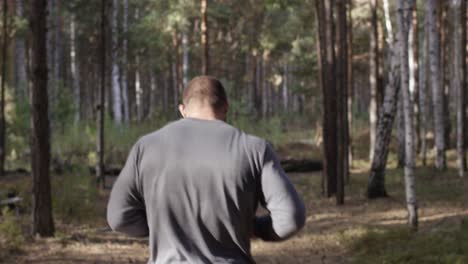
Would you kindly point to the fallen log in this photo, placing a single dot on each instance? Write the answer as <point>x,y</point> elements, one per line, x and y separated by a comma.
<point>303,165</point>
<point>289,165</point>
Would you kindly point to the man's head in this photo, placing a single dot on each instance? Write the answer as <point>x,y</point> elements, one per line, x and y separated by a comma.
<point>204,98</point>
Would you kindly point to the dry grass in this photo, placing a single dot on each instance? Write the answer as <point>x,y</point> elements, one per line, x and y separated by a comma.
<point>344,234</point>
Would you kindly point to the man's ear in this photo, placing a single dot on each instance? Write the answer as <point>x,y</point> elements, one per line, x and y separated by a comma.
<point>182,110</point>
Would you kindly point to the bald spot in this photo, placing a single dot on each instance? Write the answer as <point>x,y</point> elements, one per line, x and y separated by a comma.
<point>205,90</point>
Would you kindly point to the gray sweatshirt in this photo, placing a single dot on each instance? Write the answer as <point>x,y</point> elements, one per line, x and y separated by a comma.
<point>194,186</point>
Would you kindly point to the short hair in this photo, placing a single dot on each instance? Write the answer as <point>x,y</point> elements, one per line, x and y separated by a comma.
<point>205,89</point>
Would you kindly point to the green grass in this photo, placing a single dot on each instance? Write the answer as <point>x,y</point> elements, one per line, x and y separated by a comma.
<point>449,244</point>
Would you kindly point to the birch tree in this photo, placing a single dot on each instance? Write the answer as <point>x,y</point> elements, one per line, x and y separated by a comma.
<point>75,75</point>
<point>123,77</point>
<point>205,38</point>
<point>185,58</point>
<point>436,84</point>
<point>373,75</point>
<point>116,96</point>
<point>404,20</point>
<point>376,185</point>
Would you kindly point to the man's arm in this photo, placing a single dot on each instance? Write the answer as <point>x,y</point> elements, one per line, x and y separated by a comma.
<point>287,210</point>
<point>126,209</point>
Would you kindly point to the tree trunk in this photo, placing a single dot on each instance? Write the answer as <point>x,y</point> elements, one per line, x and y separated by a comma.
<point>123,75</point>
<point>376,185</point>
<point>326,54</point>
<point>423,107</point>
<point>185,59</point>
<point>43,223</point>
<point>401,131</point>
<point>116,97</point>
<point>3,87</point>
<point>445,69</point>
<point>101,106</point>
<point>342,120</point>
<point>138,90</point>
<point>459,46</point>
<point>413,74</point>
<point>205,38</point>
<point>75,74</point>
<point>436,84</point>
<point>350,82</point>
<point>57,46</point>
<point>373,76</point>
<point>21,74</point>
<point>404,14</point>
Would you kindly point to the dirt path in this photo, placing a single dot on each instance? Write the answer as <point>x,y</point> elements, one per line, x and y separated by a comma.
<point>323,240</point>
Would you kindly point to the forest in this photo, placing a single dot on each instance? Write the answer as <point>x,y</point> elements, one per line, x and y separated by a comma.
<point>363,100</point>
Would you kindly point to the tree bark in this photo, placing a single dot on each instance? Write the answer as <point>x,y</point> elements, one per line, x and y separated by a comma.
<point>400,131</point>
<point>376,185</point>
<point>205,38</point>
<point>116,96</point>
<point>3,87</point>
<point>74,69</point>
<point>326,54</point>
<point>21,74</point>
<point>423,107</point>
<point>43,223</point>
<point>123,75</point>
<point>342,119</point>
<point>101,99</point>
<point>459,54</point>
<point>350,82</point>
<point>404,20</point>
<point>185,58</point>
<point>436,84</point>
<point>373,76</point>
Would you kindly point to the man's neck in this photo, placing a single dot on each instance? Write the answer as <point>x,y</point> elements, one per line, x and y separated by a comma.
<point>205,116</point>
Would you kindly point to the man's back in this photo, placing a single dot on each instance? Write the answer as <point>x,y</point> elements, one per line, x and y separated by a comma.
<point>194,186</point>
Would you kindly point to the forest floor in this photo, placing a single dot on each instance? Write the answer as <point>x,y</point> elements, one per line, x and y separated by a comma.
<point>361,231</point>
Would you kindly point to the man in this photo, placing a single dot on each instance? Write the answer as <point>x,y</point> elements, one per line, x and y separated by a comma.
<point>194,185</point>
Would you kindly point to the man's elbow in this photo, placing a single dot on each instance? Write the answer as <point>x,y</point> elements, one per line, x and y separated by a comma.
<point>293,224</point>
<point>130,227</point>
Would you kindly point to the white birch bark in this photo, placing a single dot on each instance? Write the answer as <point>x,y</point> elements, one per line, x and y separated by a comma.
<point>373,75</point>
<point>123,75</point>
<point>21,75</point>
<point>116,96</point>
<point>138,90</point>
<point>404,15</point>
<point>376,186</point>
<point>436,83</point>
<point>74,68</point>
<point>185,58</point>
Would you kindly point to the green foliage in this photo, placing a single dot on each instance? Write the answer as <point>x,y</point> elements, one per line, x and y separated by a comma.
<point>400,245</point>
<point>11,235</point>
<point>63,108</point>
<point>74,195</point>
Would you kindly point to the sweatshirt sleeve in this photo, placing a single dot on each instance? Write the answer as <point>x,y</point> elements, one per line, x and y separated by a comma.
<point>287,211</point>
<point>126,208</point>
